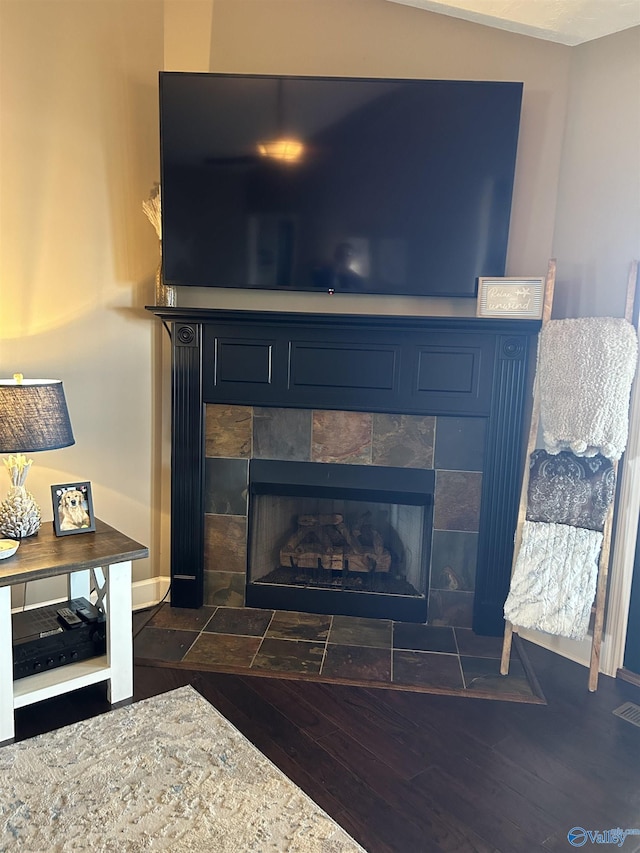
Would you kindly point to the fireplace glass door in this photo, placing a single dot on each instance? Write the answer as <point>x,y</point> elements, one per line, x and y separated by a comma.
<point>342,539</point>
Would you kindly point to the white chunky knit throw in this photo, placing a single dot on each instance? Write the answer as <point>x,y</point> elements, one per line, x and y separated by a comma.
<point>554,580</point>
<point>585,370</point>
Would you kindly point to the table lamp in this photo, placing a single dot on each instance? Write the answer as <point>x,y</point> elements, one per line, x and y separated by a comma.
<point>33,416</point>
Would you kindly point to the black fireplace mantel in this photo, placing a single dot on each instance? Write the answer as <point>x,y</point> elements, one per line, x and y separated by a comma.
<point>406,365</point>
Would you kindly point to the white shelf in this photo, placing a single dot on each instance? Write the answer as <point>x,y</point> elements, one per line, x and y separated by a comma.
<point>54,682</point>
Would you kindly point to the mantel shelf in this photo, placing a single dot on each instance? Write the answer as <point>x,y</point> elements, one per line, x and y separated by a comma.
<point>340,321</point>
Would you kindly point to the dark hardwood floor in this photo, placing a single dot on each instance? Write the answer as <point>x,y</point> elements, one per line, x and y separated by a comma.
<point>411,772</point>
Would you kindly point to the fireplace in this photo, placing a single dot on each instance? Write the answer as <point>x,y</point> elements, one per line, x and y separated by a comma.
<point>348,540</point>
<point>370,370</point>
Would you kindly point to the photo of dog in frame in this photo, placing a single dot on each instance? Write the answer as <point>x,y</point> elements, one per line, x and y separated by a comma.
<point>72,508</point>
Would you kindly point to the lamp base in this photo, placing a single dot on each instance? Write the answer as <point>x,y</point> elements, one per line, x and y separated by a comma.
<point>19,514</point>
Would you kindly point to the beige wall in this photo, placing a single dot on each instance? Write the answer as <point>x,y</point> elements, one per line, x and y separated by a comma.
<point>78,153</point>
<point>597,233</point>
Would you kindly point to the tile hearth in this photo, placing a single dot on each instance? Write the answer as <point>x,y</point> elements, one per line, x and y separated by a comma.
<point>338,649</point>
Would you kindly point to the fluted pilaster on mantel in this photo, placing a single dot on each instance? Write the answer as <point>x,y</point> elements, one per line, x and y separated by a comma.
<point>501,484</point>
<point>187,467</point>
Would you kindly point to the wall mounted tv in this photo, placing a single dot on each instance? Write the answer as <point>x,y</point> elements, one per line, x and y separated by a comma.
<point>336,184</point>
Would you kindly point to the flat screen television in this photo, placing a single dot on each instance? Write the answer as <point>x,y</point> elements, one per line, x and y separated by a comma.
<point>336,184</point>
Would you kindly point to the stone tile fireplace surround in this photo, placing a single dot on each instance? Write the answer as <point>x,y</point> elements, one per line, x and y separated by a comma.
<point>454,447</point>
<point>439,393</point>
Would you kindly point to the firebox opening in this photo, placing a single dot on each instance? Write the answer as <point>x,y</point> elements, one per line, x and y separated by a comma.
<point>341,539</point>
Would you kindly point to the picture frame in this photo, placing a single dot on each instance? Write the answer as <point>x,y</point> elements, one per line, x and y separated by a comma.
<point>72,508</point>
<point>511,297</point>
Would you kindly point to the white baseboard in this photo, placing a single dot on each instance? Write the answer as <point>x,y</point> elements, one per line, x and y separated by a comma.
<point>149,592</point>
<point>144,594</point>
<point>579,651</point>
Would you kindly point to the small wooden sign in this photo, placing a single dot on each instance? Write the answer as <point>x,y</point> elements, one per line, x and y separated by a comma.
<point>510,297</point>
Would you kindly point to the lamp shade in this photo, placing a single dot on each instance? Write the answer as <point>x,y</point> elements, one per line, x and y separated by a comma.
<point>33,416</point>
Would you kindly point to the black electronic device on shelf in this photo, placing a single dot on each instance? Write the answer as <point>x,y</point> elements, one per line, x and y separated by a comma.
<point>329,184</point>
<point>49,637</point>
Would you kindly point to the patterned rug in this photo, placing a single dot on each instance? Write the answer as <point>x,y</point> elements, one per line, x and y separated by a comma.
<point>167,773</point>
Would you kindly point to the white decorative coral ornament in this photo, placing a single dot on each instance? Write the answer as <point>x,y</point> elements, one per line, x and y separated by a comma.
<point>19,512</point>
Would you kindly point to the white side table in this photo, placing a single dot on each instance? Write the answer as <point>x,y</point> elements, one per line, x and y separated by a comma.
<point>108,554</point>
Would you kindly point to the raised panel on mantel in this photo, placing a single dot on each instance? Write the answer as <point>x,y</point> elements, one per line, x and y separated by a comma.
<point>325,365</point>
<point>243,361</point>
<point>239,366</point>
<point>447,370</point>
<point>455,378</point>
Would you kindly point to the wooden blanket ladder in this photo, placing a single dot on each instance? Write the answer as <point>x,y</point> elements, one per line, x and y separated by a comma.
<point>603,562</point>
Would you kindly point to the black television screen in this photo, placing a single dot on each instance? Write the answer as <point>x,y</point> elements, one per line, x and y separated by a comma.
<point>336,184</point>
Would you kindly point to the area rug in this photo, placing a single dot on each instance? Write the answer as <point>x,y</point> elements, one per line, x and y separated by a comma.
<point>167,773</point>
